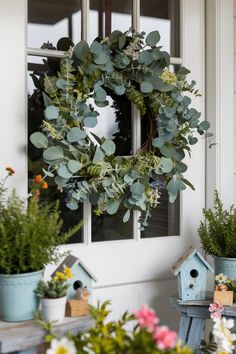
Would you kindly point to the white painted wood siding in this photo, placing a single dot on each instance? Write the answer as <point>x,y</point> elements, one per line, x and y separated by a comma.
<point>234,152</point>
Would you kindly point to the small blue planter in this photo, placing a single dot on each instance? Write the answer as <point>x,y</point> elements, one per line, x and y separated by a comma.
<point>226,266</point>
<point>18,302</point>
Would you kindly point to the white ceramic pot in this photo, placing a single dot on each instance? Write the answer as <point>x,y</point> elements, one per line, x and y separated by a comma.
<point>53,309</point>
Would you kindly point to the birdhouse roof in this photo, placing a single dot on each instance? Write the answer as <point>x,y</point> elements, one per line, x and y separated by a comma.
<point>69,262</point>
<point>182,261</point>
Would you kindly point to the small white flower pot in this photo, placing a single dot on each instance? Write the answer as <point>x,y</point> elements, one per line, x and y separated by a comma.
<point>53,309</point>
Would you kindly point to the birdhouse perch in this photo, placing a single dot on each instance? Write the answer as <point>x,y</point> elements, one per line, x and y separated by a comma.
<point>191,271</point>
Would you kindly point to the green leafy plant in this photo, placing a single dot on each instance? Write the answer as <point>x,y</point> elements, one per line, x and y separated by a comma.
<point>114,337</point>
<point>56,287</point>
<point>218,230</point>
<point>85,166</point>
<point>30,233</point>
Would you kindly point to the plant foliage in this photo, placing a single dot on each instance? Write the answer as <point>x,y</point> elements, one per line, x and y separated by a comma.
<point>116,337</point>
<point>86,166</point>
<point>56,287</point>
<point>30,233</point>
<point>218,231</point>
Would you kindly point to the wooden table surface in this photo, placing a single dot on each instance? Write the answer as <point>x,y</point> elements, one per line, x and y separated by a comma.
<point>193,318</point>
<point>20,336</point>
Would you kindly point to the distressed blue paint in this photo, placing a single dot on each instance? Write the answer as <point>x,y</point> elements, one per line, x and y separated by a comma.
<point>79,274</point>
<point>193,288</point>
<point>191,271</point>
<point>190,287</point>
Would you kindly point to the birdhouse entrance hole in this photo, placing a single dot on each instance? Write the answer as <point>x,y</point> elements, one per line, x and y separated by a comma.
<point>194,273</point>
<point>77,284</point>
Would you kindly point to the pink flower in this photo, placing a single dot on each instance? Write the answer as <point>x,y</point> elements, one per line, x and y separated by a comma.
<point>164,337</point>
<point>215,307</point>
<point>146,318</point>
<point>215,315</point>
<point>216,310</point>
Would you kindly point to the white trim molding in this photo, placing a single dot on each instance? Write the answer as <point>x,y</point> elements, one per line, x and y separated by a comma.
<point>13,132</point>
<point>219,102</point>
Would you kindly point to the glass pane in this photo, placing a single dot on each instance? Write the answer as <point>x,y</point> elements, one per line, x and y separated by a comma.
<point>114,123</point>
<point>110,228</point>
<point>37,67</point>
<point>109,15</point>
<point>164,16</point>
<point>164,220</point>
<point>50,20</point>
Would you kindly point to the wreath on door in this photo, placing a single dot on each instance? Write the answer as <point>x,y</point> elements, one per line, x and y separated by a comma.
<point>86,166</point>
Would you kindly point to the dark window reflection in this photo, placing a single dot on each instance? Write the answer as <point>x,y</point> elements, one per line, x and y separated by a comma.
<point>110,228</point>
<point>114,123</point>
<point>49,20</point>
<point>164,220</point>
<point>109,15</point>
<point>35,161</point>
<point>164,16</point>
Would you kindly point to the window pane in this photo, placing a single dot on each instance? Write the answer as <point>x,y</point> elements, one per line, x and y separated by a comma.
<point>50,20</point>
<point>164,220</point>
<point>37,67</point>
<point>114,123</point>
<point>162,15</point>
<point>110,228</point>
<point>109,15</point>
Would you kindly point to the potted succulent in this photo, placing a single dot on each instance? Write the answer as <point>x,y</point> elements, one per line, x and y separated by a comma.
<point>30,234</point>
<point>52,294</point>
<point>218,237</point>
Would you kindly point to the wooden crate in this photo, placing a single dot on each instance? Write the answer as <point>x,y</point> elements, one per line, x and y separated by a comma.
<point>223,297</point>
<point>76,308</point>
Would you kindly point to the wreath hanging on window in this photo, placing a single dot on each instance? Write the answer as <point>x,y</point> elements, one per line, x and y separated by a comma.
<point>86,166</point>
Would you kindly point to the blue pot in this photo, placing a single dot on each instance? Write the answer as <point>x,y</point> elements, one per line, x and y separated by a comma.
<point>18,301</point>
<point>226,266</point>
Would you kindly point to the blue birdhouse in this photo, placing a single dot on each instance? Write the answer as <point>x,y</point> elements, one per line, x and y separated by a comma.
<point>82,276</point>
<point>191,271</point>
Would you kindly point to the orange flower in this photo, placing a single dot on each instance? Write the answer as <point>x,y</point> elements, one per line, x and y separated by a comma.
<point>10,171</point>
<point>38,179</point>
<point>44,185</point>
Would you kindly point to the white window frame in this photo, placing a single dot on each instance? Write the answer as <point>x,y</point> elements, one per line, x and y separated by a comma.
<point>220,100</point>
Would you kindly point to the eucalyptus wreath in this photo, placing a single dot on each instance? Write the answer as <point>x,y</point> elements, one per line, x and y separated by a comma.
<point>85,166</point>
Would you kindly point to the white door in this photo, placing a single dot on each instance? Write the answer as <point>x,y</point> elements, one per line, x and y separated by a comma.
<point>132,268</point>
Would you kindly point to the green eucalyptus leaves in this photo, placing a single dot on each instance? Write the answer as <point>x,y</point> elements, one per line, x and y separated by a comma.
<point>86,166</point>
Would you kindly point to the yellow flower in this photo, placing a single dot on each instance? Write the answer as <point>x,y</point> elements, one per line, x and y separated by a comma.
<point>182,349</point>
<point>98,212</point>
<point>68,272</point>
<point>59,276</point>
<point>168,77</point>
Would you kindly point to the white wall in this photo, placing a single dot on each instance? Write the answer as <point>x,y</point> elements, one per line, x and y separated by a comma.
<point>13,131</point>
<point>235,98</point>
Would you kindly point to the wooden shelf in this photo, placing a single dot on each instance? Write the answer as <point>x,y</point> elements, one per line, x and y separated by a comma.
<point>21,336</point>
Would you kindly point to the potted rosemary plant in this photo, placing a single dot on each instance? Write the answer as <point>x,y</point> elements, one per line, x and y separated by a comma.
<point>30,234</point>
<point>53,295</point>
<point>218,237</point>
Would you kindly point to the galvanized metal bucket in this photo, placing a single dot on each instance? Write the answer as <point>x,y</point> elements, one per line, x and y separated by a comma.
<point>226,266</point>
